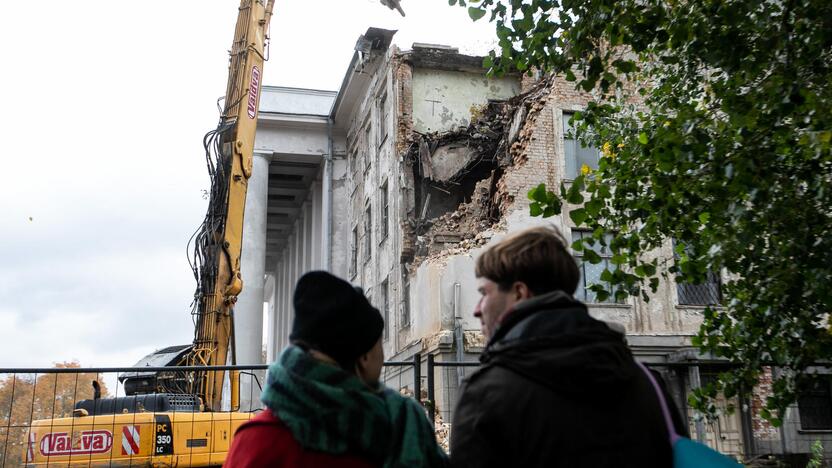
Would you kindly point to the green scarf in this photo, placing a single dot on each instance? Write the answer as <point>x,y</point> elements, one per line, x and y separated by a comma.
<point>329,410</point>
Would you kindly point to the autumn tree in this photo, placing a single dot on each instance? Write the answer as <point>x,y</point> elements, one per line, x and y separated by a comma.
<point>727,155</point>
<point>28,397</point>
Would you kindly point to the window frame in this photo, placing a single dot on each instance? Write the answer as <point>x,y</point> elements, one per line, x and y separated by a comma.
<point>367,133</point>
<point>825,395</point>
<point>384,206</point>
<point>405,312</point>
<point>385,303</point>
<point>368,231</point>
<point>606,257</point>
<point>691,290</point>
<point>566,115</point>
<point>383,113</point>
<point>354,251</point>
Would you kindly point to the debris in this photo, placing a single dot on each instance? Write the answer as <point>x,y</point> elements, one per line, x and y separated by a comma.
<point>458,175</point>
<point>442,431</point>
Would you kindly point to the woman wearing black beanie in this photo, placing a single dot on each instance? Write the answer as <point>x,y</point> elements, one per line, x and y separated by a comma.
<point>324,403</point>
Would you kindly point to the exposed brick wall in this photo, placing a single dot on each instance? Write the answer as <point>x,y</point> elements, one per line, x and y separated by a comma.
<point>402,80</point>
<point>763,430</point>
<point>403,92</point>
<point>537,153</point>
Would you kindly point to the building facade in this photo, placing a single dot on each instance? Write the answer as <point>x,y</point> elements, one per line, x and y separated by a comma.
<point>401,178</point>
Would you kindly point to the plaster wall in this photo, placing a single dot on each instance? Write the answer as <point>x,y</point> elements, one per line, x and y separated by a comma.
<point>340,241</point>
<point>442,100</point>
<point>275,99</point>
<point>306,140</point>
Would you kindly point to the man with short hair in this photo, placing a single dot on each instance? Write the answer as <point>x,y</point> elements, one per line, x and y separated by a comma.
<point>557,388</point>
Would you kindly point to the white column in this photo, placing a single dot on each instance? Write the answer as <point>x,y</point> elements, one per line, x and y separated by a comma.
<point>271,298</point>
<point>286,302</point>
<point>248,312</point>
<point>277,344</point>
<point>307,236</point>
<point>293,267</point>
<point>317,227</point>
<point>299,246</point>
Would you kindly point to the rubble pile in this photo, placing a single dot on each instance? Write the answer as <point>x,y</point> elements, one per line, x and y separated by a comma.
<point>443,432</point>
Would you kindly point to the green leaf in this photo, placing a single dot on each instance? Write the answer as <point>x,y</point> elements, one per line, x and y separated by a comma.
<point>592,257</point>
<point>574,196</point>
<point>642,138</point>
<point>476,13</point>
<point>451,2</point>
<point>578,216</point>
<point>704,217</point>
<point>535,209</point>
<point>538,193</point>
<point>593,207</point>
<point>554,205</point>
<point>606,275</point>
<point>619,259</point>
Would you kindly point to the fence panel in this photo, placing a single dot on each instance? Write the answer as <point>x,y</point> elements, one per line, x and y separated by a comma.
<point>52,416</point>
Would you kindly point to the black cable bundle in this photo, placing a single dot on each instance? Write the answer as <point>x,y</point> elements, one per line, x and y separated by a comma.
<point>206,243</point>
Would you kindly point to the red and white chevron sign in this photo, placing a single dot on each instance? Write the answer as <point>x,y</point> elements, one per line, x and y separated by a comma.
<point>130,440</point>
<point>30,449</point>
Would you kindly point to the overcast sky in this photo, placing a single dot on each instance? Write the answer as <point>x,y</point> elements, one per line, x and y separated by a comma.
<point>104,107</point>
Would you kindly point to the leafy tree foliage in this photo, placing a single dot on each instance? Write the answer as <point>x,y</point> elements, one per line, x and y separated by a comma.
<point>27,398</point>
<point>714,122</point>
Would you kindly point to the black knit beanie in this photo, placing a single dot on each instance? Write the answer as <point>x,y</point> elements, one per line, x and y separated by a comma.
<point>334,317</point>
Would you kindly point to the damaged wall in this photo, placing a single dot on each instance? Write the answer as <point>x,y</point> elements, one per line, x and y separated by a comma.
<point>443,99</point>
<point>457,176</point>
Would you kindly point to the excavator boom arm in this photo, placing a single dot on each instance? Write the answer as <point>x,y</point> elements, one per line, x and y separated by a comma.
<point>219,241</point>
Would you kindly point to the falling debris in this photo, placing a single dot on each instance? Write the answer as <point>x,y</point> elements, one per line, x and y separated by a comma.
<point>393,5</point>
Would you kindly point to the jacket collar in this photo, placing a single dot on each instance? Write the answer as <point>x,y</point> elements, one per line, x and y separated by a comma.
<point>511,326</point>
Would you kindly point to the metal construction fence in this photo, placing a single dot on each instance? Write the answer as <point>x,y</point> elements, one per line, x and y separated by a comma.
<point>50,400</point>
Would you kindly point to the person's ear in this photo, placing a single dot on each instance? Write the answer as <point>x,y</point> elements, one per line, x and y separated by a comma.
<point>361,365</point>
<point>521,291</point>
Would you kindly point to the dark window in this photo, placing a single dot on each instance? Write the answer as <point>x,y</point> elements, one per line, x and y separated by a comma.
<point>368,147</point>
<point>591,274</point>
<point>574,152</point>
<point>384,114</point>
<point>354,252</point>
<point>385,303</point>
<point>706,293</point>
<point>385,220</point>
<point>368,230</point>
<point>405,303</point>
<point>814,403</point>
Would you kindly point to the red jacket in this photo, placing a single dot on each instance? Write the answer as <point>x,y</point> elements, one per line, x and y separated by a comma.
<point>266,442</point>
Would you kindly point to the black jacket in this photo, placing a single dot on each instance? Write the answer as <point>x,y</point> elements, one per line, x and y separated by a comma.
<point>558,388</point>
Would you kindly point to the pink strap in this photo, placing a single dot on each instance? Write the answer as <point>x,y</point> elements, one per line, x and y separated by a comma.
<point>668,421</point>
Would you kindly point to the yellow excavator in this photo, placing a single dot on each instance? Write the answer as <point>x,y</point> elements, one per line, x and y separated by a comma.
<point>173,417</point>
